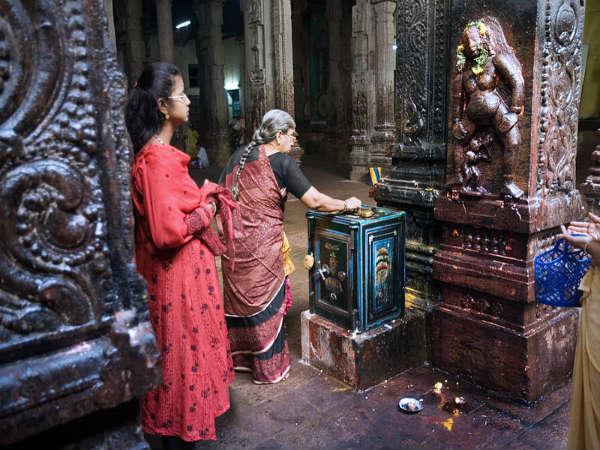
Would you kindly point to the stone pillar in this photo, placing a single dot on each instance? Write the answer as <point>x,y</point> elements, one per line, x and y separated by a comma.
<point>419,152</point>
<point>383,14</point>
<point>335,86</point>
<point>164,19</point>
<point>210,59</point>
<point>512,183</point>
<point>299,61</point>
<point>362,91</point>
<point>283,60</point>
<point>257,28</point>
<point>110,18</point>
<point>135,47</point>
<point>591,187</point>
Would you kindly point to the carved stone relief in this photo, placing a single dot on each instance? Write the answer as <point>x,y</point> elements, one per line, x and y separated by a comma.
<point>72,307</point>
<point>488,99</point>
<point>560,92</point>
<point>53,225</point>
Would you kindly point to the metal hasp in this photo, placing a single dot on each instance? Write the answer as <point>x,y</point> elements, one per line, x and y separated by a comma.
<point>358,278</point>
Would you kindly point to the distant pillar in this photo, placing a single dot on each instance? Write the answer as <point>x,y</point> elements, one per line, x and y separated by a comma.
<point>362,91</point>
<point>384,81</point>
<point>210,59</point>
<point>164,19</point>
<point>135,48</point>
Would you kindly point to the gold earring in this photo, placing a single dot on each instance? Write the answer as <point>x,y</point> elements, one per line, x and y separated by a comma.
<point>167,116</point>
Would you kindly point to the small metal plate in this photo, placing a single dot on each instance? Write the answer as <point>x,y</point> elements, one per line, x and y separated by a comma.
<point>410,405</point>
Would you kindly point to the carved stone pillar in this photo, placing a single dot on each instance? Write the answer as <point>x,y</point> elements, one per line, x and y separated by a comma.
<point>76,347</point>
<point>257,30</point>
<point>283,61</point>
<point>269,60</point>
<point>383,15</point>
<point>363,110</point>
<point>209,46</point>
<point>591,187</point>
<point>418,156</point>
<point>164,19</point>
<point>511,172</point>
<point>299,61</point>
<point>135,47</point>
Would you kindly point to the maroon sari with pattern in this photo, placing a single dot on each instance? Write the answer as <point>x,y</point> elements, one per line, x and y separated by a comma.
<point>253,277</point>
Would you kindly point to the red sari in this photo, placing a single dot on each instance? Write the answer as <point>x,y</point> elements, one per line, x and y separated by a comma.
<point>185,302</point>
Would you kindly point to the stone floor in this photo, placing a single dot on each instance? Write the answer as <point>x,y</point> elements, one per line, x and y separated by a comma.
<point>313,411</point>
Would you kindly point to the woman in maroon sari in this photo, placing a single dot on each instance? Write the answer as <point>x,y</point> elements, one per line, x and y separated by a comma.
<point>175,249</point>
<point>255,285</point>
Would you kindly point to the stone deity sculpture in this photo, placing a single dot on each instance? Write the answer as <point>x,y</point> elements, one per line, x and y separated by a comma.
<point>488,98</point>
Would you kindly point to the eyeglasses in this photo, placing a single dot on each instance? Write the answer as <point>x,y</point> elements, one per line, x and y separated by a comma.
<point>180,98</point>
<point>291,133</point>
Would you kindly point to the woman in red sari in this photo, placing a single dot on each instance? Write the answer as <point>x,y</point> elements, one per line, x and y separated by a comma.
<point>175,253</point>
<point>256,289</point>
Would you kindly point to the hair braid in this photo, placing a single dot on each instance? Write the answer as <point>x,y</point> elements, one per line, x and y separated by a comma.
<point>273,122</point>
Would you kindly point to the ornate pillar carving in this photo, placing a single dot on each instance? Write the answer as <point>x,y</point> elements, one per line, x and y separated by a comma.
<point>164,19</point>
<point>418,155</point>
<point>76,347</point>
<point>591,187</point>
<point>511,183</point>
<point>362,90</point>
<point>256,30</point>
<point>209,47</point>
<point>269,60</point>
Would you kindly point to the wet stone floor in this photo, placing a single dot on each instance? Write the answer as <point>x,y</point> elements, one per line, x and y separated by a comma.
<point>311,410</point>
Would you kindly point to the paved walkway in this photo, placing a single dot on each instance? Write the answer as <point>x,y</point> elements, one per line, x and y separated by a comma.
<point>313,411</point>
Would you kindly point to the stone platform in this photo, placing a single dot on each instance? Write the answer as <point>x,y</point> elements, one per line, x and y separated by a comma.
<point>363,360</point>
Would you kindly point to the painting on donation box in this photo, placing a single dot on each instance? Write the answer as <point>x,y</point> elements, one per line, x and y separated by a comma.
<point>335,272</point>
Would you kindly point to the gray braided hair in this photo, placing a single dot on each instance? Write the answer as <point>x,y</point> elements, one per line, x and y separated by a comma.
<point>273,122</point>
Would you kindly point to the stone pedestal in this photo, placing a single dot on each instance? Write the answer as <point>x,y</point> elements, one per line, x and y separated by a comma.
<point>364,359</point>
<point>511,183</point>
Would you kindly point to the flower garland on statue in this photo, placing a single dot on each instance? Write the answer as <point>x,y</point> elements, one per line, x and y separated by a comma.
<point>483,53</point>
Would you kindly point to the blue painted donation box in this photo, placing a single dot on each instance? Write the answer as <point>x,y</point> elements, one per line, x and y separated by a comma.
<point>357,277</point>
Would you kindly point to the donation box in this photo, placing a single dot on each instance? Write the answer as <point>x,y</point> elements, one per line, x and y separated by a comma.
<point>358,276</point>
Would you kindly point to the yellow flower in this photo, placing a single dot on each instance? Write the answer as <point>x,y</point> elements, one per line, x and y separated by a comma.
<point>477,70</point>
<point>482,28</point>
<point>460,48</point>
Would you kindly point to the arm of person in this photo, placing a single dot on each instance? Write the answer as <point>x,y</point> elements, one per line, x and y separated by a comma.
<point>299,186</point>
<point>316,200</point>
<point>166,206</point>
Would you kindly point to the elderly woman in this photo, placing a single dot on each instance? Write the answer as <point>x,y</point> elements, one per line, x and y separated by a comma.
<point>255,285</point>
<point>584,429</point>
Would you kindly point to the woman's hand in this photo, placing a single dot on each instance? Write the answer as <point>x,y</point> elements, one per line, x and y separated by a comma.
<point>352,203</point>
<point>576,236</point>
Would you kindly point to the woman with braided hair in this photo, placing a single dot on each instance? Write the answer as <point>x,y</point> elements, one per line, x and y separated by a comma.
<point>256,288</point>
